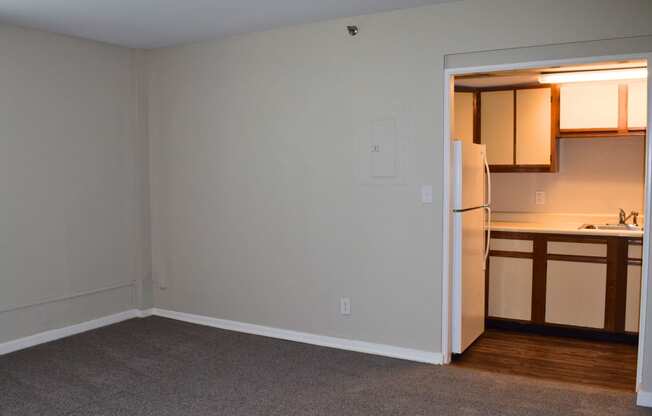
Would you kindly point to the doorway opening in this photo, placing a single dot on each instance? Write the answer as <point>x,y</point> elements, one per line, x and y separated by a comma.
<point>551,282</point>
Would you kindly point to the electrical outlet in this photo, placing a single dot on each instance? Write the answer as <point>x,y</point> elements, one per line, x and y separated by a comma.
<point>345,306</point>
<point>540,198</point>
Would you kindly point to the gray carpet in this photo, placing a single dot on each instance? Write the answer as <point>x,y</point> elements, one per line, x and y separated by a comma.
<point>156,366</point>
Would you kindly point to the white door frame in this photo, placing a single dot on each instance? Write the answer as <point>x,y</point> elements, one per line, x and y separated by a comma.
<point>449,73</point>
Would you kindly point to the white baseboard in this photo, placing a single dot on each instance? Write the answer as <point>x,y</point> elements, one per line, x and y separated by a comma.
<point>144,313</point>
<point>54,334</point>
<point>644,398</point>
<point>321,340</point>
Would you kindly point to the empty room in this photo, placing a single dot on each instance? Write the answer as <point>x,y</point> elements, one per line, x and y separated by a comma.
<point>363,207</point>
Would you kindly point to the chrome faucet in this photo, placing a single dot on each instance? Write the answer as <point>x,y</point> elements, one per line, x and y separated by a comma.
<point>623,217</point>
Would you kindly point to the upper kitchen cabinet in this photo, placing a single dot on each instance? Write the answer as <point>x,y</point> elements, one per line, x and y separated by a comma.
<point>603,109</point>
<point>518,127</point>
<point>497,126</point>
<point>637,104</point>
<point>588,107</point>
<point>534,127</point>
<point>464,113</point>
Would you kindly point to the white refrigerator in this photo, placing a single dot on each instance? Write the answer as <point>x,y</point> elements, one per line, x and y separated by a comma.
<point>471,234</point>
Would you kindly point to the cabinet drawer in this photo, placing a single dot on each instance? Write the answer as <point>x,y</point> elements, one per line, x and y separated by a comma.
<point>503,244</point>
<point>510,288</point>
<point>575,293</point>
<point>633,298</point>
<point>634,251</point>
<point>577,249</point>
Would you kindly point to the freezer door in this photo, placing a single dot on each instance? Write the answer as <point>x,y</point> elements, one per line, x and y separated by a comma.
<point>468,278</point>
<point>469,175</point>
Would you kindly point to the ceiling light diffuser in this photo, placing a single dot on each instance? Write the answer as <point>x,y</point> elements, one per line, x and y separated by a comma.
<point>587,76</point>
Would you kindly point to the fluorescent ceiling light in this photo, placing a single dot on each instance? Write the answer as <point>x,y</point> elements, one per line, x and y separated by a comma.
<point>585,76</point>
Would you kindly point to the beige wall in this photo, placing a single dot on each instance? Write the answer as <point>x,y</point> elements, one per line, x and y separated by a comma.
<point>258,211</point>
<point>596,176</point>
<point>73,182</point>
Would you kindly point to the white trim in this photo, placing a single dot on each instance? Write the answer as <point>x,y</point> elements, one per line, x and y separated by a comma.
<point>67,331</point>
<point>306,338</point>
<point>644,398</point>
<point>647,233</point>
<point>321,340</point>
<point>446,342</point>
<point>144,313</point>
<point>446,289</point>
<point>544,63</point>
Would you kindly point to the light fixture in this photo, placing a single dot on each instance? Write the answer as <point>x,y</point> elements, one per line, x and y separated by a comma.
<point>586,76</point>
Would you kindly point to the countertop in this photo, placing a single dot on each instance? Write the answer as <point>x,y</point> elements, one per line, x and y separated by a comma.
<point>558,228</point>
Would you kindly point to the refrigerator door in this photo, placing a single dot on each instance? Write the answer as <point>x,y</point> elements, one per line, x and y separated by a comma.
<point>468,175</point>
<point>468,278</point>
<point>470,171</point>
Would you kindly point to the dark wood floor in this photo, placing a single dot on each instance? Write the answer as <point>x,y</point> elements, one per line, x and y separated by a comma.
<point>597,363</point>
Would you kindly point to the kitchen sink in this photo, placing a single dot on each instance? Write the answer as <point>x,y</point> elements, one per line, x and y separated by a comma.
<point>613,227</point>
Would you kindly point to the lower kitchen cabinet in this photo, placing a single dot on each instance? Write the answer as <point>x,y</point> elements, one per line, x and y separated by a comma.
<point>575,293</point>
<point>510,285</point>
<point>633,298</point>
<point>586,283</point>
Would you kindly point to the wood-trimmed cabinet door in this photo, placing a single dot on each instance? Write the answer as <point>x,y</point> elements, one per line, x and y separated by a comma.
<point>464,116</point>
<point>632,310</point>
<point>497,126</point>
<point>637,104</point>
<point>633,297</point>
<point>575,293</point>
<point>533,126</point>
<point>510,288</point>
<point>589,106</point>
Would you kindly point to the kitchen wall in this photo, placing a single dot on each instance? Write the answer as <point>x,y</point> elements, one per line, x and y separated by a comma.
<point>73,182</point>
<point>260,213</point>
<point>596,176</point>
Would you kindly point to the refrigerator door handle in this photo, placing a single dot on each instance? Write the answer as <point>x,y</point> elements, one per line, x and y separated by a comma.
<point>488,234</point>
<point>486,166</point>
<point>461,210</point>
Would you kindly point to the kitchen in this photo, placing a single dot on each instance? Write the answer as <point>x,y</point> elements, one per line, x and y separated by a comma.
<point>564,151</point>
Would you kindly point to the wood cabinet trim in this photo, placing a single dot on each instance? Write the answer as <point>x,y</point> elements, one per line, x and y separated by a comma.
<point>576,259</point>
<point>512,254</point>
<point>616,293</point>
<point>554,128</point>
<point>539,280</point>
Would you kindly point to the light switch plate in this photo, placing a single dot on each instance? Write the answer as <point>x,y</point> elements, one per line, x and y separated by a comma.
<point>345,306</point>
<point>426,194</point>
<point>540,198</point>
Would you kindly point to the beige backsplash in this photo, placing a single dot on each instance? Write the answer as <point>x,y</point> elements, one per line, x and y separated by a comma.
<point>596,176</point>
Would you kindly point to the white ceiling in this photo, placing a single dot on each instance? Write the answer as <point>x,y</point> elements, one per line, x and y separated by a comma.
<point>157,23</point>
